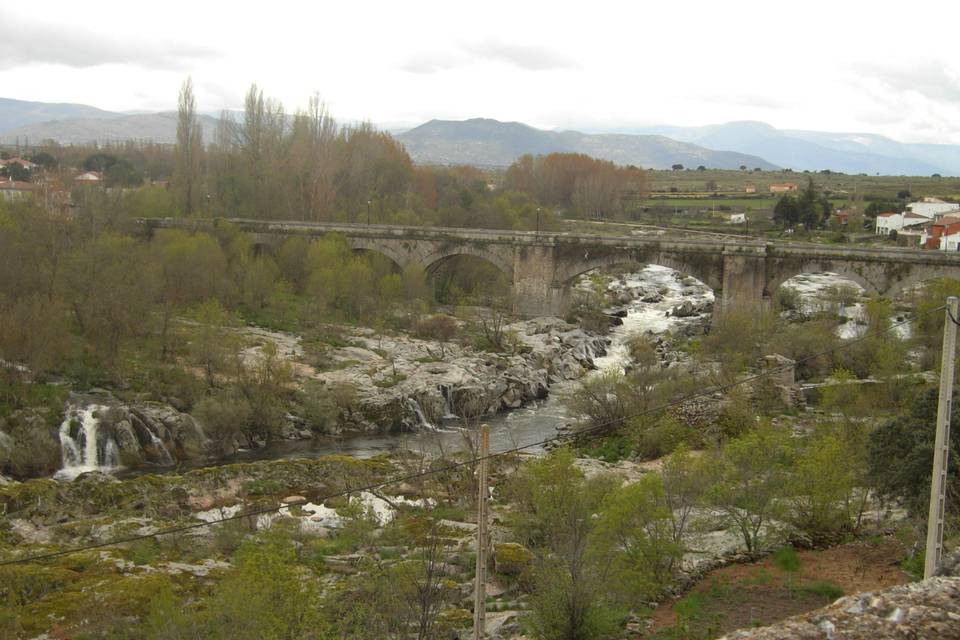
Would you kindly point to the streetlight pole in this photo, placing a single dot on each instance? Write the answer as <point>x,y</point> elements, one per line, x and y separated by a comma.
<point>538,220</point>
<point>368,213</point>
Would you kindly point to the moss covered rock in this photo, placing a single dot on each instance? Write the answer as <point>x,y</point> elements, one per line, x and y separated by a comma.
<point>510,558</point>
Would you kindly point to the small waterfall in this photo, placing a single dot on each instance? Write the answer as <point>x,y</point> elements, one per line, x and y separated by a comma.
<point>81,449</point>
<point>162,455</point>
<point>448,413</point>
<point>422,421</point>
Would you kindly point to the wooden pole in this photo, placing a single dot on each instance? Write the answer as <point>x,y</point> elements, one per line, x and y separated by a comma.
<point>938,482</point>
<point>480,588</point>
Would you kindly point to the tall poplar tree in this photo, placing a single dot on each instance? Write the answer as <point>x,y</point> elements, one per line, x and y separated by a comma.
<point>186,170</point>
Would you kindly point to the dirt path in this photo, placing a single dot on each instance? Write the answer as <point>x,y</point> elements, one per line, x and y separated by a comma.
<point>760,593</point>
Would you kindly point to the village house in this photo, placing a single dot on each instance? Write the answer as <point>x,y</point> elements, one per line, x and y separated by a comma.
<point>749,188</point>
<point>943,235</point>
<point>783,187</point>
<point>89,177</point>
<point>933,208</point>
<point>11,190</point>
<point>892,221</point>
<point>26,164</point>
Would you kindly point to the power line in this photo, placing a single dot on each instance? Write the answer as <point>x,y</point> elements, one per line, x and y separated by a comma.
<point>458,465</point>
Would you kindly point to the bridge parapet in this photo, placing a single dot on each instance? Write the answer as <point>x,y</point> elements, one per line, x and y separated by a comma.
<point>542,266</point>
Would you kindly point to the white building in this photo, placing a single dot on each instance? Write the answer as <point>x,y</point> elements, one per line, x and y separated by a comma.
<point>932,208</point>
<point>738,218</point>
<point>887,222</point>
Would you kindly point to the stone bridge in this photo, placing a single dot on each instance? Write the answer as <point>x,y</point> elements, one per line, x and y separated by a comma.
<point>542,266</point>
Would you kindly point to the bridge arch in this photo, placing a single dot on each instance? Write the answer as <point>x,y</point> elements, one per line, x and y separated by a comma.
<point>920,275</point>
<point>708,277</point>
<point>387,250</point>
<point>842,270</point>
<point>433,259</point>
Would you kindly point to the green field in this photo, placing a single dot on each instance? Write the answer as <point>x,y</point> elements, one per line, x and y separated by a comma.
<point>732,183</point>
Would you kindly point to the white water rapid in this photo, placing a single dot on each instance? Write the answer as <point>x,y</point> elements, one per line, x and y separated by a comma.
<point>81,449</point>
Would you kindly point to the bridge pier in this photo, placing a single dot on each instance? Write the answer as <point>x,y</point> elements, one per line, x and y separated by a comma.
<point>744,282</point>
<point>535,290</point>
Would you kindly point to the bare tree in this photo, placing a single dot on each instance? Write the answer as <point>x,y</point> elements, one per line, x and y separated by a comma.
<point>186,170</point>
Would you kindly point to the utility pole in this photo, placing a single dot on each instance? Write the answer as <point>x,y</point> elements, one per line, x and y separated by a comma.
<point>480,587</point>
<point>368,213</point>
<point>938,482</point>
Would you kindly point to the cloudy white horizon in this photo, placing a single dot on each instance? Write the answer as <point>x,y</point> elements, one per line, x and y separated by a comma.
<point>829,66</point>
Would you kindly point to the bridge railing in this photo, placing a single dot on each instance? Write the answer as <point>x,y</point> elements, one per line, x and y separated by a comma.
<point>553,237</point>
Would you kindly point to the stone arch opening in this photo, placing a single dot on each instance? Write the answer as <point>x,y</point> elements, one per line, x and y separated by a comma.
<point>363,246</point>
<point>435,259</point>
<point>909,288</point>
<point>709,274</point>
<point>653,290</point>
<point>843,296</point>
<point>460,276</point>
<point>818,271</point>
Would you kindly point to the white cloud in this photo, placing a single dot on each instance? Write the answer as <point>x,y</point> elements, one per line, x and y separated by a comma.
<point>831,66</point>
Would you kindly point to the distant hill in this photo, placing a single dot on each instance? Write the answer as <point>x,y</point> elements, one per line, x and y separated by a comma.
<point>157,127</point>
<point>817,150</point>
<point>19,113</point>
<point>486,142</point>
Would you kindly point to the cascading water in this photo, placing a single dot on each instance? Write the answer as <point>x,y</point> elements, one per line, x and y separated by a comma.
<point>422,421</point>
<point>448,413</point>
<point>161,454</point>
<point>81,448</point>
<point>648,313</point>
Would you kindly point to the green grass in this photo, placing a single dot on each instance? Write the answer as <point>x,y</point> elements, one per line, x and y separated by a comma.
<point>786,559</point>
<point>822,588</point>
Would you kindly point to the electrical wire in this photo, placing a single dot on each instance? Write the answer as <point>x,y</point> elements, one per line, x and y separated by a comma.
<point>469,462</point>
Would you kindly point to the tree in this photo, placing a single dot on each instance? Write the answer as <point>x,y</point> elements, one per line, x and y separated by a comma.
<point>676,167</point>
<point>110,291</point>
<point>685,482</point>
<point>701,168</point>
<point>751,479</point>
<point>901,456</point>
<point>188,152</point>
<point>787,211</point>
<point>266,595</point>
<point>637,522</point>
<point>572,597</point>
<point>15,171</point>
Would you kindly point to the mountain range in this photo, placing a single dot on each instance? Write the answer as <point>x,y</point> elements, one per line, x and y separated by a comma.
<point>816,150</point>
<point>485,142</point>
<point>492,143</point>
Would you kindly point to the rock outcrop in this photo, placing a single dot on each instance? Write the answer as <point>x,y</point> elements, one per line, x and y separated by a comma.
<point>927,609</point>
<point>143,432</point>
<point>415,388</point>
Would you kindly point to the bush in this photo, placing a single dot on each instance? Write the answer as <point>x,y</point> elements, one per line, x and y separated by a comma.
<point>224,417</point>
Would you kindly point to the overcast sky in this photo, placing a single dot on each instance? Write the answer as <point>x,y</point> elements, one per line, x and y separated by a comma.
<point>842,65</point>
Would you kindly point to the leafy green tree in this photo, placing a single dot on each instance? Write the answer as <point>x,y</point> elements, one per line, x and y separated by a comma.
<point>901,456</point>
<point>268,595</point>
<point>110,291</point>
<point>556,511</point>
<point>211,345</point>
<point>637,522</point>
<point>685,479</point>
<point>787,211</point>
<point>823,481</point>
<point>191,270</point>
<point>752,478</point>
